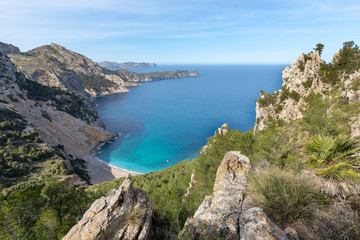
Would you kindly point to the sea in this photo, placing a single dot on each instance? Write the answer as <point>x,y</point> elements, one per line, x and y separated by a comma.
<point>163,122</point>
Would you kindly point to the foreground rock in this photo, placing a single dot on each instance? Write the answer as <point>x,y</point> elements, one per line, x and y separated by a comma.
<point>124,214</point>
<point>221,211</point>
<point>254,224</point>
<point>227,213</point>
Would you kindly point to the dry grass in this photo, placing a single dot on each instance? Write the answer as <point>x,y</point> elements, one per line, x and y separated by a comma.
<point>332,188</point>
<point>284,195</point>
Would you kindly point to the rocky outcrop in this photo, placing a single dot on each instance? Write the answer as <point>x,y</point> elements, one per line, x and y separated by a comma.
<point>223,129</point>
<point>124,214</point>
<point>221,211</point>
<point>227,213</point>
<point>79,134</point>
<point>116,66</point>
<point>255,225</point>
<point>55,66</point>
<point>9,48</point>
<point>299,80</point>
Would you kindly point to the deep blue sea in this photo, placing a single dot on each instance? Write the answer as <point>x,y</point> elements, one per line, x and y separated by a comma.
<point>167,121</point>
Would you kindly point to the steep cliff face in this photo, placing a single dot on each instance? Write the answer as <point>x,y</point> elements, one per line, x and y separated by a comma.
<point>299,80</point>
<point>227,213</point>
<point>124,214</point>
<point>308,75</point>
<point>60,117</point>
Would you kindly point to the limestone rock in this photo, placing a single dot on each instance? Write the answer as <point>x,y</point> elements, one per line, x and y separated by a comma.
<point>124,214</point>
<point>302,78</point>
<point>228,213</point>
<point>254,224</point>
<point>9,48</point>
<point>223,129</point>
<point>355,128</point>
<point>78,136</point>
<point>221,211</point>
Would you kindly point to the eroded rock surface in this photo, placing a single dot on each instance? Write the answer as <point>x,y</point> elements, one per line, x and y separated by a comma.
<point>124,214</point>
<point>302,78</point>
<point>254,224</point>
<point>221,211</point>
<point>227,214</point>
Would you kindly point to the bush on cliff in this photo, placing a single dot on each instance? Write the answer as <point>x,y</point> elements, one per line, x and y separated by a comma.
<point>284,195</point>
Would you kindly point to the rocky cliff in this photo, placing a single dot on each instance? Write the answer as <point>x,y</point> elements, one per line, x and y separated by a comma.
<point>9,48</point>
<point>55,66</point>
<point>61,118</point>
<point>124,214</point>
<point>308,75</point>
<point>228,213</point>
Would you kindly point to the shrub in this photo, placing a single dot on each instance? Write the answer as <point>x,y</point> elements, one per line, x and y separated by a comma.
<point>319,118</point>
<point>308,83</point>
<point>333,157</point>
<point>301,65</point>
<point>285,93</point>
<point>266,99</point>
<point>283,194</point>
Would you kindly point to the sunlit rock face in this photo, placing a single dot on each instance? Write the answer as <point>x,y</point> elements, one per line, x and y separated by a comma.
<point>124,214</point>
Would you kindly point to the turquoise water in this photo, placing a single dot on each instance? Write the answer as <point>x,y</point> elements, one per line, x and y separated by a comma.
<point>164,122</point>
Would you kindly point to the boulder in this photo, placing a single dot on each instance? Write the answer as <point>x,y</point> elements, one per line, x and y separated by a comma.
<point>254,224</point>
<point>221,211</point>
<point>125,213</point>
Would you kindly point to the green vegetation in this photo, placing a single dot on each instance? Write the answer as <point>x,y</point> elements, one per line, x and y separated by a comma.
<point>308,83</point>
<point>45,210</point>
<point>349,58</point>
<point>79,168</point>
<point>18,149</point>
<point>297,163</point>
<point>319,47</point>
<point>320,117</point>
<point>285,93</point>
<point>96,82</point>
<point>284,195</point>
<point>333,157</point>
<point>65,101</point>
<point>266,99</point>
<point>160,74</point>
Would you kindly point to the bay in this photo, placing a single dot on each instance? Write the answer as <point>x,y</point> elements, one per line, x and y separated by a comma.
<point>163,122</point>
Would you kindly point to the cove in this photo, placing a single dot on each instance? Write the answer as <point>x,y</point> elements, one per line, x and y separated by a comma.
<point>163,122</point>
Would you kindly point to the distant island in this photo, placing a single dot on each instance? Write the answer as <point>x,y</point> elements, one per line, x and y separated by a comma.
<point>116,66</point>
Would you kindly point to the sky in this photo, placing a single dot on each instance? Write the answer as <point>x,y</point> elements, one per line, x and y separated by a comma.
<point>183,31</point>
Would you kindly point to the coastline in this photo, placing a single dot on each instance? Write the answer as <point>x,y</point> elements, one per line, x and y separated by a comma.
<point>100,171</point>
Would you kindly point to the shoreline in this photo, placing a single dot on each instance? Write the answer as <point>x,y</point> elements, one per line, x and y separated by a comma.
<point>100,171</point>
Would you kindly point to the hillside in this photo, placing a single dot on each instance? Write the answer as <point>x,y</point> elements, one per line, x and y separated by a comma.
<point>290,179</point>
<point>55,66</point>
<point>117,66</point>
<point>295,176</point>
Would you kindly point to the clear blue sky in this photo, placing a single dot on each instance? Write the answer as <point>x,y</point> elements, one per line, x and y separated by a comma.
<point>182,31</point>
